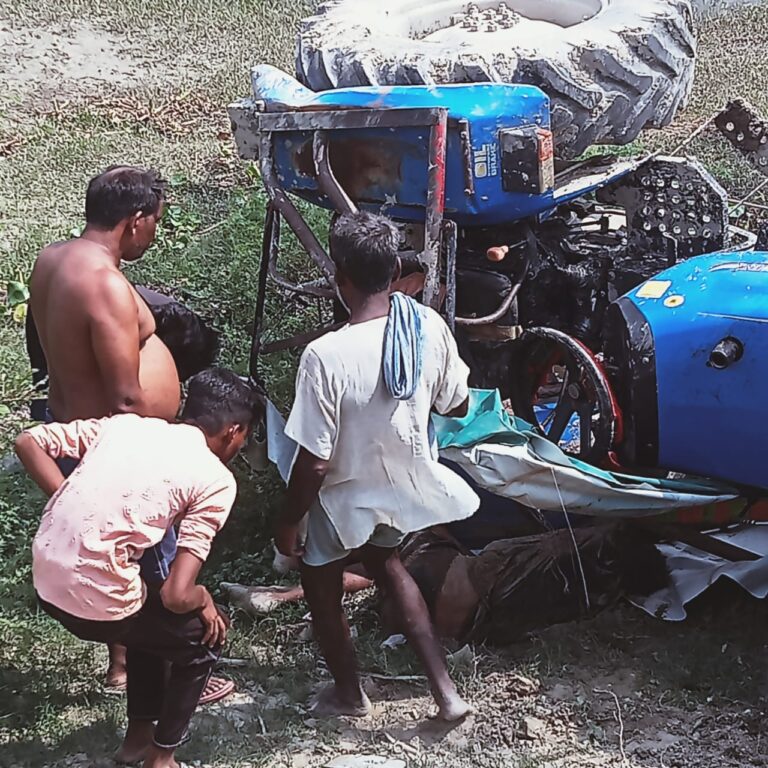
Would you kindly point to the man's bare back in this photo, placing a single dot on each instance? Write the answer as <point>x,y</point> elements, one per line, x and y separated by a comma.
<point>92,326</point>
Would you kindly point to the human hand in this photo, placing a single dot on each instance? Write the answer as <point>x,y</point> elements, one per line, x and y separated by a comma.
<point>288,541</point>
<point>215,623</point>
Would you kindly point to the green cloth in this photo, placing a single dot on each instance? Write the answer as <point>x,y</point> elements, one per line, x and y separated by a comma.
<point>488,422</point>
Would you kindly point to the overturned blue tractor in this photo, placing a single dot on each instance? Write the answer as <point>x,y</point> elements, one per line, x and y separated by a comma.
<point>609,300</point>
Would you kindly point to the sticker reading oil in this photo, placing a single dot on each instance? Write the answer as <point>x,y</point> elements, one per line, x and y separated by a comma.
<point>486,161</point>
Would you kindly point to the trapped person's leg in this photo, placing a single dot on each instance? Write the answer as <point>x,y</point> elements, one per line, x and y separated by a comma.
<point>387,570</point>
<point>146,694</point>
<point>323,591</point>
<point>264,599</point>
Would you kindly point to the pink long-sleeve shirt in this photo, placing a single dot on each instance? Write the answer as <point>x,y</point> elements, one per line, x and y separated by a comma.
<point>136,478</point>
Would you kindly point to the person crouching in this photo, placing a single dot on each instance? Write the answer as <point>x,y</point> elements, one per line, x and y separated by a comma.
<point>138,477</point>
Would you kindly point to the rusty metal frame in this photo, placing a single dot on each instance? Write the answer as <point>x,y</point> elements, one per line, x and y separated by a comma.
<point>451,232</point>
<point>293,218</point>
<point>281,206</point>
<point>269,251</point>
<point>347,119</point>
<point>269,243</point>
<point>326,179</point>
<point>433,221</point>
<point>466,154</point>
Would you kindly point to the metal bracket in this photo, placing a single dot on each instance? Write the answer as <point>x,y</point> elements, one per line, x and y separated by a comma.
<point>249,120</point>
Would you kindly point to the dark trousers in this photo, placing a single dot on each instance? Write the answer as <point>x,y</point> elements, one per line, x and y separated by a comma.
<point>156,639</point>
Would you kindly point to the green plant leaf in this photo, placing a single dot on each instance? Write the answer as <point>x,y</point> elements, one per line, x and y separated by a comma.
<point>17,293</point>
<point>20,313</point>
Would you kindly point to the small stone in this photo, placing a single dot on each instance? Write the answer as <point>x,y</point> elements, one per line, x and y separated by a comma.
<point>364,761</point>
<point>534,729</point>
<point>520,686</point>
<point>463,659</point>
<point>394,641</point>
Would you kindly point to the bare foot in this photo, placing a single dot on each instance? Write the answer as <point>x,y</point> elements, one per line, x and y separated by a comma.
<point>116,678</point>
<point>331,703</point>
<point>160,758</point>
<point>260,600</point>
<point>454,709</point>
<point>137,742</point>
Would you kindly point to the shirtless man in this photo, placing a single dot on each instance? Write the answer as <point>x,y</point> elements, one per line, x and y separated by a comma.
<point>97,334</point>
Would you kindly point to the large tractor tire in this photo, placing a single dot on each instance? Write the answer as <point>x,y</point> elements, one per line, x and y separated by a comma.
<point>610,67</point>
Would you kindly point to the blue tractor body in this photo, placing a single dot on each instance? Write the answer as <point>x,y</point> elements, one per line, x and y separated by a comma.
<point>708,320</point>
<point>579,290</point>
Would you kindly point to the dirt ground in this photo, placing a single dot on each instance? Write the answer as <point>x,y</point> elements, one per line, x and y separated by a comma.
<point>621,689</point>
<point>56,59</point>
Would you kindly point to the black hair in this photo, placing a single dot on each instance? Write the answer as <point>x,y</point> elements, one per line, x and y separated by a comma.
<point>217,398</point>
<point>193,344</point>
<point>122,191</point>
<point>364,246</point>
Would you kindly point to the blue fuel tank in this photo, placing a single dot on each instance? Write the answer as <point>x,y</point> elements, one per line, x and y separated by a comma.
<point>697,340</point>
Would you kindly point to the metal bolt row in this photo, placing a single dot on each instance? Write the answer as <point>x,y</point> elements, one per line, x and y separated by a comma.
<point>672,195</point>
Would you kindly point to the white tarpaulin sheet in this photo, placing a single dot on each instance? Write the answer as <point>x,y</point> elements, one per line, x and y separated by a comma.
<point>281,450</point>
<point>693,571</point>
<point>516,472</point>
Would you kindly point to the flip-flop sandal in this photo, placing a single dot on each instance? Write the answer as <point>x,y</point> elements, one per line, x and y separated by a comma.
<point>222,690</point>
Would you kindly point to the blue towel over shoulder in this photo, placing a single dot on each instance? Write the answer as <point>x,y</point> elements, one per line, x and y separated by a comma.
<point>403,346</point>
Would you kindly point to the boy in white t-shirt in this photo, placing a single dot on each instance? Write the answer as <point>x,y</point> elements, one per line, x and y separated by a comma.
<point>365,472</point>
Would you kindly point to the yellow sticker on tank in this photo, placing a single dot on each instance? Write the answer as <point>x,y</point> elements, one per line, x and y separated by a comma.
<point>653,289</point>
<point>674,301</point>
